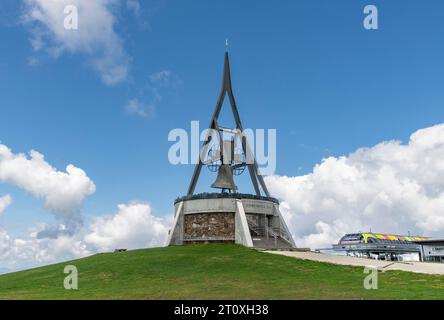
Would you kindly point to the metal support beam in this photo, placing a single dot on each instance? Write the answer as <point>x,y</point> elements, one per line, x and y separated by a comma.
<point>227,89</point>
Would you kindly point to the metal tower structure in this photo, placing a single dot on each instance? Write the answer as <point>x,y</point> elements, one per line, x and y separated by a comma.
<point>225,178</point>
<point>252,220</point>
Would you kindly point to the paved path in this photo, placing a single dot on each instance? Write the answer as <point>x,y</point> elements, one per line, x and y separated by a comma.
<point>417,267</point>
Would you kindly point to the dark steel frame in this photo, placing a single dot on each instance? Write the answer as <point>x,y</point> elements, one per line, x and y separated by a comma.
<point>227,89</point>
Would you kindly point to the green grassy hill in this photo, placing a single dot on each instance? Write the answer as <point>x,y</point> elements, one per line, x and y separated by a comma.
<point>212,272</point>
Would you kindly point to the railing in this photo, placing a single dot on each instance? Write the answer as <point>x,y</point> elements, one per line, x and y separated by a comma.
<point>377,247</point>
<point>284,235</point>
<point>266,231</point>
<point>278,232</point>
<point>253,226</point>
<point>224,195</point>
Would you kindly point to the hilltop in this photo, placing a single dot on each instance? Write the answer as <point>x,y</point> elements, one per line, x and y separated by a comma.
<point>212,272</point>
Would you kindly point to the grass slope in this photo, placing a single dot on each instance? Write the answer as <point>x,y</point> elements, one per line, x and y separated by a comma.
<point>212,272</point>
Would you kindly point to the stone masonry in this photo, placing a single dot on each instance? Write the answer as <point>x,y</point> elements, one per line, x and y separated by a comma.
<point>209,226</point>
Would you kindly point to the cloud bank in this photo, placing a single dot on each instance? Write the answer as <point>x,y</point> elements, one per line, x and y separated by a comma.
<point>63,192</point>
<point>132,226</point>
<point>390,187</point>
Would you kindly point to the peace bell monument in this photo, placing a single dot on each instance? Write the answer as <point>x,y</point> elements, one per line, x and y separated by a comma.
<point>252,220</point>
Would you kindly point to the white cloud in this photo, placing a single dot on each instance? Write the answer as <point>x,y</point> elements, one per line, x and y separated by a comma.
<point>95,37</point>
<point>133,226</point>
<point>391,187</point>
<point>63,192</point>
<point>136,107</point>
<point>153,91</point>
<point>161,78</point>
<point>31,251</point>
<point>5,202</point>
<point>164,79</point>
<point>33,61</point>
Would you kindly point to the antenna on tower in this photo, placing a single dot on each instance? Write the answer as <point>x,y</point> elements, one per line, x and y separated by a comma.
<point>226,45</point>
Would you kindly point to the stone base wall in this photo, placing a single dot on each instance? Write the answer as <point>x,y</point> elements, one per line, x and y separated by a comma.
<point>208,241</point>
<point>209,227</point>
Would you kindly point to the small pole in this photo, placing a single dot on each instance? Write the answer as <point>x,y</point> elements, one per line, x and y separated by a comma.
<point>226,45</point>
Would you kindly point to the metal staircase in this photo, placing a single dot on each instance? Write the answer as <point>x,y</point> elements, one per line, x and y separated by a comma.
<point>266,237</point>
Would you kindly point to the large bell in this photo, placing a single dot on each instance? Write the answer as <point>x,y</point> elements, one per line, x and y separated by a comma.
<point>224,180</point>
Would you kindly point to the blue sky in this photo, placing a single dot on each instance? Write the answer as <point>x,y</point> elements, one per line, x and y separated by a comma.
<point>307,68</point>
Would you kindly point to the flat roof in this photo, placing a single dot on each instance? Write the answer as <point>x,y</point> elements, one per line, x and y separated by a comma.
<point>224,195</point>
<point>430,241</point>
<point>385,236</point>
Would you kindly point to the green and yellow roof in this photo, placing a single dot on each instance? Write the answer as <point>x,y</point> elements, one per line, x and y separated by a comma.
<point>392,237</point>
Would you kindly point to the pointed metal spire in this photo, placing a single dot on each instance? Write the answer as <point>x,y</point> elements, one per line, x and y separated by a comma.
<point>227,89</point>
<point>226,81</point>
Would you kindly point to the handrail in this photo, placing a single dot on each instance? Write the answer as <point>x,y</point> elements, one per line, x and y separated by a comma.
<point>224,195</point>
<point>271,232</point>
